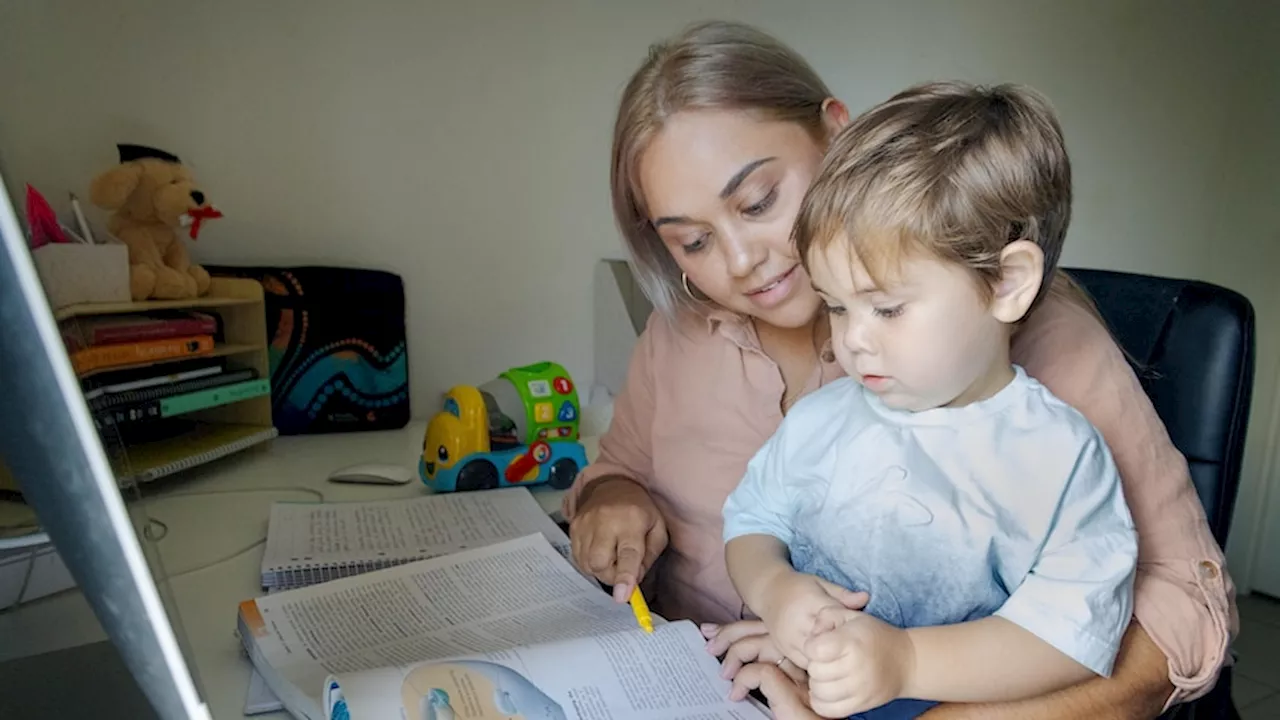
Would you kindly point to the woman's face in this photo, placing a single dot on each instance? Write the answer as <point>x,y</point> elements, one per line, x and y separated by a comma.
<point>723,189</point>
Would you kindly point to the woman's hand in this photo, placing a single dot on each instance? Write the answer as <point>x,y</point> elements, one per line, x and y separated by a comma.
<point>617,534</point>
<point>788,697</point>
<point>746,642</point>
<point>722,637</point>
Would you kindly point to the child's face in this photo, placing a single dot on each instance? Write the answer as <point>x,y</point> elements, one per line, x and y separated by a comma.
<point>929,339</point>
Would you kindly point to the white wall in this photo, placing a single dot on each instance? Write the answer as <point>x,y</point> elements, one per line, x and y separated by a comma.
<point>1248,259</point>
<point>465,144</point>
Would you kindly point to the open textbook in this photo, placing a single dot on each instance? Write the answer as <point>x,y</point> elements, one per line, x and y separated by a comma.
<point>507,631</point>
<point>310,542</point>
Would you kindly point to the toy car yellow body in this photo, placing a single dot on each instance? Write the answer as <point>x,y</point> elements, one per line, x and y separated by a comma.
<point>520,429</point>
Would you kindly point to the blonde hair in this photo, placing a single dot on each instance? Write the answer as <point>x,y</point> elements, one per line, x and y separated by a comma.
<point>711,65</point>
<point>949,168</point>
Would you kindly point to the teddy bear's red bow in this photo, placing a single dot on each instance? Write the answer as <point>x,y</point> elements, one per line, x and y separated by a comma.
<point>201,214</point>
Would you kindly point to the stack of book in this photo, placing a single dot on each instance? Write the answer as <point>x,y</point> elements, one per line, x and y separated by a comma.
<point>173,384</point>
<point>106,342</point>
<point>136,376</point>
<point>473,610</point>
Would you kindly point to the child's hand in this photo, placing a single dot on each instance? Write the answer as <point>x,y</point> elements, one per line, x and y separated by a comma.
<point>792,605</point>
<point>856,662</point>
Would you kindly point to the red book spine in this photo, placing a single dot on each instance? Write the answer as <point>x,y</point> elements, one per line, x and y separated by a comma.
<point>155,330</point>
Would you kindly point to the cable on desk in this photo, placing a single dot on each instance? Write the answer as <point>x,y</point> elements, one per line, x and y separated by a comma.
<point>26,581</point>
<point>156,530</point>
<point>219,561</point>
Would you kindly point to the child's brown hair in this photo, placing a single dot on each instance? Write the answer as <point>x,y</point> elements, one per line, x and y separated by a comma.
<point>955,169</point>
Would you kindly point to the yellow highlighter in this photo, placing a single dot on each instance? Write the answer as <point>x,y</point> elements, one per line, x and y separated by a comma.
<point>641,610</point>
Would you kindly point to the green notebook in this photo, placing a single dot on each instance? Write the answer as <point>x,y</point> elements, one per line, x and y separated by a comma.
<point>213,397</point>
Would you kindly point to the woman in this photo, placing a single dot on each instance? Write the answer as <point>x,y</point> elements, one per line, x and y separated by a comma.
<point>717,137</point>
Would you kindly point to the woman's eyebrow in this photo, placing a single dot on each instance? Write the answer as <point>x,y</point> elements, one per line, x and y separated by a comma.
<point>672,220</point>
<point>738,178</point>
<point>729,188</point>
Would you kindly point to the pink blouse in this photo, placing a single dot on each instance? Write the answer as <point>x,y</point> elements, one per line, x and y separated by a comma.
<point>701,397</point>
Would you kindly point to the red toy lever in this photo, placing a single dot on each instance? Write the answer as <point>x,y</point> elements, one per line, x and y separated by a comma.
<point>539,453</point>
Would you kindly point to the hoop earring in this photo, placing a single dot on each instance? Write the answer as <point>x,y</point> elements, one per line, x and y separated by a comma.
<point>688,290</point>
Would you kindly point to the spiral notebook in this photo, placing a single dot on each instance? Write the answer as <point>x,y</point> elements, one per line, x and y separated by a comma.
<point>180,387</point>
<point>309,543</point>
<point>203,443</point>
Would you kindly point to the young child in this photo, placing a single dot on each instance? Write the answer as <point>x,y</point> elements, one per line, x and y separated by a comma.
<point>983,515</point>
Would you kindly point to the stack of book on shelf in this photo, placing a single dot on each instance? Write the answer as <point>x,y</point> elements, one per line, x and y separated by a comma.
<point>173,384</point>
<point>458,605</point>
<point>128,387</point>
<point>111,342</point>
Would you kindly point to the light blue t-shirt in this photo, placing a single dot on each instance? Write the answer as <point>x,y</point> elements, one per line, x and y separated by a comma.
<point>1010,506</point>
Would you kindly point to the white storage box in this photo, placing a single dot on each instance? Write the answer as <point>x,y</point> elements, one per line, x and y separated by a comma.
<point>78,273</point>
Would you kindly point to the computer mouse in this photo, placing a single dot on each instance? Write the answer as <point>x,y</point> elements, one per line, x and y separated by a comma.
<point>372,474</point>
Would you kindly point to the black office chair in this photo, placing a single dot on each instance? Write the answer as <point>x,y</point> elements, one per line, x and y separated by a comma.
<point>1193,347</point>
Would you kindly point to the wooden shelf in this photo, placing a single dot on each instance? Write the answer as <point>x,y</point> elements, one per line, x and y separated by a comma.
<point>223,350</point>
<point>223,292</point>
<point>217,431</point>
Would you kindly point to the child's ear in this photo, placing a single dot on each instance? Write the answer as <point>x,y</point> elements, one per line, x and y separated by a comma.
<point>1021,273</point>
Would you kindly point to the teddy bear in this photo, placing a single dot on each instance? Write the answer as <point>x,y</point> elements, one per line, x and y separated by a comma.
<point>151,195</point>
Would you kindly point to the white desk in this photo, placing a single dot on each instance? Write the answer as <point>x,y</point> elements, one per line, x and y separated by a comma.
<point>211,513</point>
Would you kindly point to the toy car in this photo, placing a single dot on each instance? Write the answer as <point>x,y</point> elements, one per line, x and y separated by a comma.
<point>519,429</point>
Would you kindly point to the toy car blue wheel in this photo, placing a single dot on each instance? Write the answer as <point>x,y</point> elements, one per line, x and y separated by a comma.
<point>478,475</point>
<point>562,473</point>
